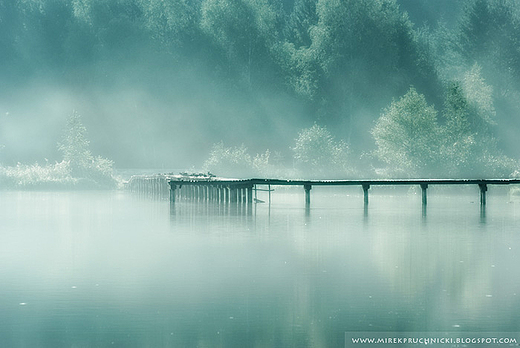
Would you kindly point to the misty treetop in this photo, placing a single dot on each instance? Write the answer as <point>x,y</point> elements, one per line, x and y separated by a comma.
<point>78,157</point>
<point>236,162</point>
<point>317,154</point>
<point>412,140</point>
<point>149,74</point>
<point>407,136</point>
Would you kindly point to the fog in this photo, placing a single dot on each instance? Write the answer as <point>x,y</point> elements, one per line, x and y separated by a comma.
<point>93,92</point>
<point>143,121</point>
<point>157,84</point>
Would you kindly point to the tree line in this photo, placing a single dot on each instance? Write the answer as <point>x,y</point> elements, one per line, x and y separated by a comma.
<point>448,91</point>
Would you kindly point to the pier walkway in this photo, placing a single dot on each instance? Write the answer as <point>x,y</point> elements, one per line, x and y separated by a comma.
<point>223,190</point>
<point>241,190</point>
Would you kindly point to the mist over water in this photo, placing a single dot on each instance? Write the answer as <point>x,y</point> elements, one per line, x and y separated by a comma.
<point>94,91</point>
<point>94,268</point>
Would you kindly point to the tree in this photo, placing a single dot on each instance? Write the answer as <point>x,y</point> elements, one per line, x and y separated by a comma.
<point>489,33</point>
<point>317,154</point>
<point>75,148</point>
<point>299,24</point>
<point>470,148</point>
<point>479,96</point>
<point>410,140</point>
<point>407,136</point>
<point>338,57</point>
<point>170,21</point>
<point>245,30</point>
<point>229,161</point>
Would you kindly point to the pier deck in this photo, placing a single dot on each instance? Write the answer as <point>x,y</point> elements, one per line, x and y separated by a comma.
<point>241,190</point>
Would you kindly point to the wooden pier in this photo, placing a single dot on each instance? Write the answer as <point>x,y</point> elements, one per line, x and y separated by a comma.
<point>241,190</point>
<point>222,190</point>
<point>216,190</point>
<point>150,186</point>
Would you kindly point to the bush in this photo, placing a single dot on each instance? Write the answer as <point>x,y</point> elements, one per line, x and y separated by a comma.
<point>236,162</point>
<point>229,161</point>
<point>37,176</point>
<point>270,165</point>
<point>317,154</point>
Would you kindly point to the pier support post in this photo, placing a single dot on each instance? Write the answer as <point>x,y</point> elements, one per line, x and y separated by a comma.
<point>365,193</point>
<point>307,189</point>
<point>250,194</point>
<point>483,189</point>
<point>226,194</point>
<point>232,194</point>
<point>173,187</point>
<point>424,197</point>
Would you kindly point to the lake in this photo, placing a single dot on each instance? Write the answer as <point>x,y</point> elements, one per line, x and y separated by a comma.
<point>109,269</point>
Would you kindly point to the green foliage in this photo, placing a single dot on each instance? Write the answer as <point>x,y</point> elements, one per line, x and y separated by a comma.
<point>78,169</point>
<point>237,162</point>
<point>229,161</point>
<point>338,52</point>
<point>270,165</point>
<point>411,141</point>
<point>169,21</point>
<point>80,161</point>
<point>489,32</point>
<point>75,146</point>
<point>407,136</point>
<point>340,59</point>
<point>470,148</point>
<point>479,96</point>
<point>300,22</point>
<point>48,176</point>
<point>318,154</point>
<point>246,31</point>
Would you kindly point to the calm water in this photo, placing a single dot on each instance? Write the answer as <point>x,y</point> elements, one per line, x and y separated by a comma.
<point>90,269</point>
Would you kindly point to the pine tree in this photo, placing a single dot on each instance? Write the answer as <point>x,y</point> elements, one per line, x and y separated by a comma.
<point>75,146</point>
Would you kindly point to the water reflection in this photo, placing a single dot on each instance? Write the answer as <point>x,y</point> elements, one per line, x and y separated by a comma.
<point>212,209</point>
<point>483,213</point>
<point>93,269</point>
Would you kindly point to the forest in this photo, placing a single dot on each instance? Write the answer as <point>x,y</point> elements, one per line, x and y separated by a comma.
<point>292,88</point>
